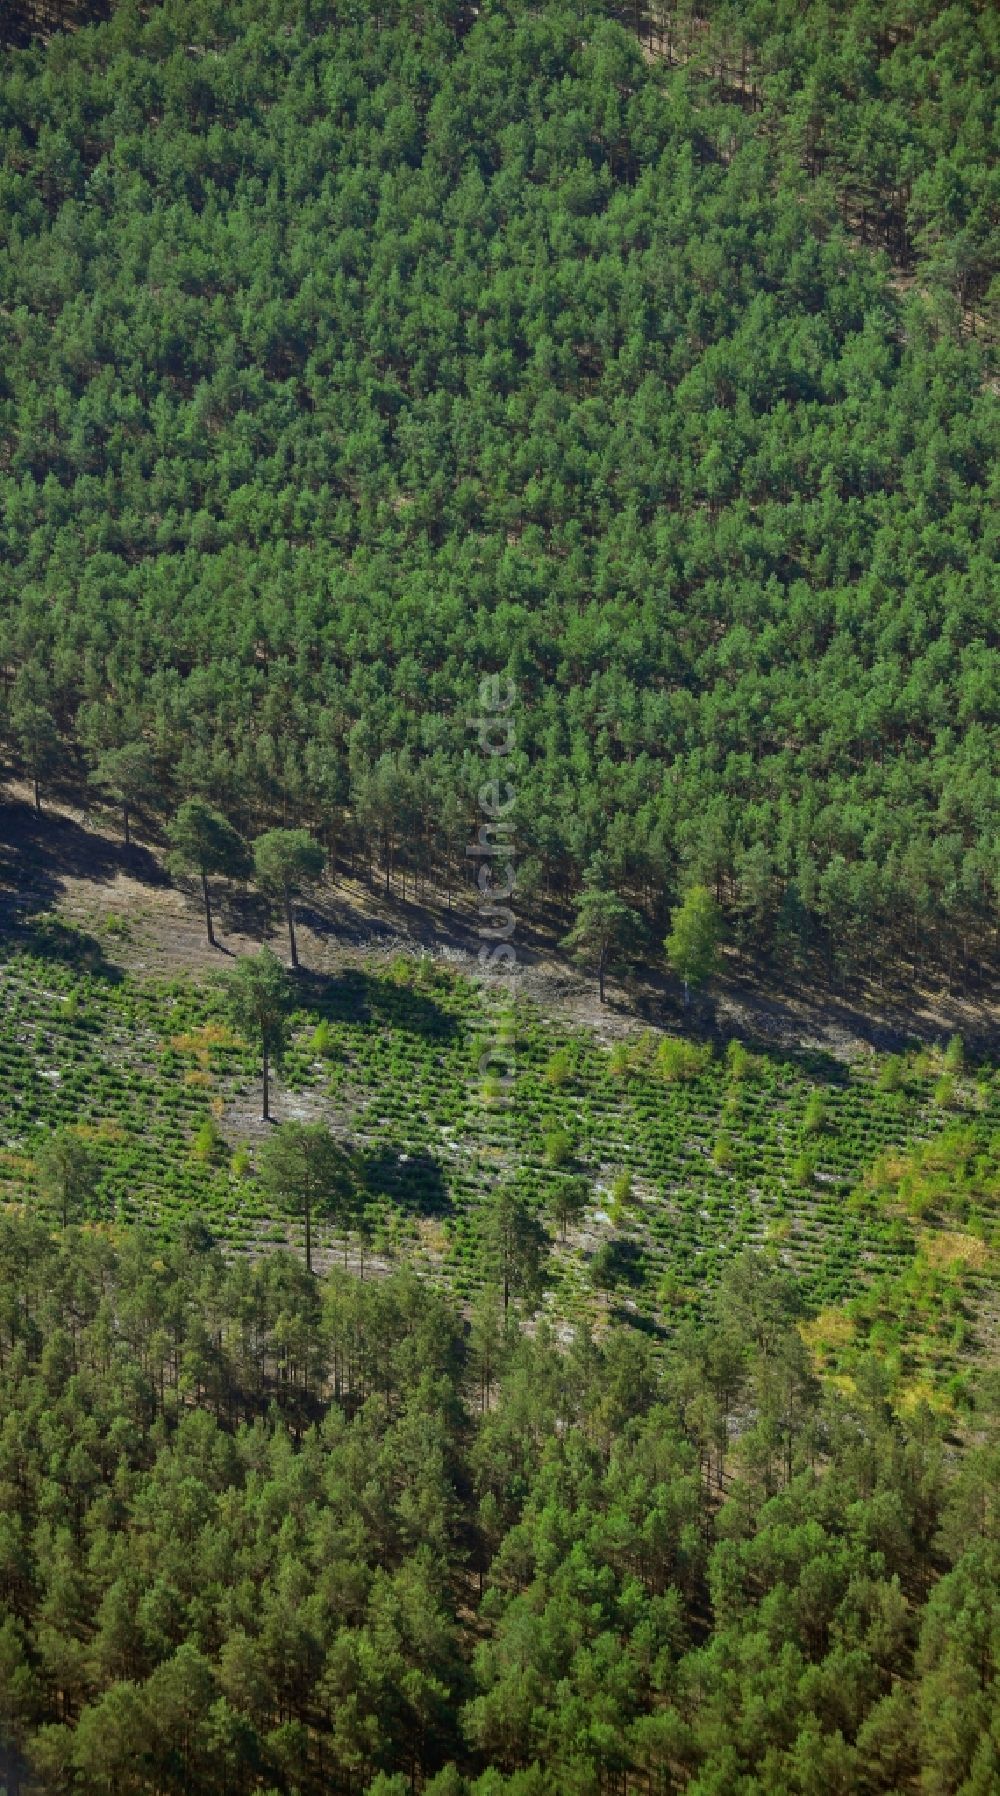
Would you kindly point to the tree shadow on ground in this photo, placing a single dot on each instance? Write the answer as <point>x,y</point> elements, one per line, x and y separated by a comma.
<point>413,1181</point>
<point>241,911</point>
<point>355,996</point>
<point>49,938</point>
<point>44,848</point>
<point>640,1322</point>
<point>38,853</point>
<point>317,918</point>
<point>811,1063</point>
<point>618,1262</point>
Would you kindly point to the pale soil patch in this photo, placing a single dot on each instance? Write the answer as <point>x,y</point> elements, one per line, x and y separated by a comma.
<point>71,862</point>
<point>950,1247</point>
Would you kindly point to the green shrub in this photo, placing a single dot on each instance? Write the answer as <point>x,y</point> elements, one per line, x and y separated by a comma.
<point>208,1145</point>
<point>740,1062</point>
<point>322,1042</point>
<point>622,1197</point>
<point>944,1092</point>
<point>558,1147</point>
<point>559,1068</point>
<point>677,1060</point>
<point>892,1074</point>
<point>620,1060</point>
<point>644,1048</point>
<point>670,1292</point>
<point>814,1120</point>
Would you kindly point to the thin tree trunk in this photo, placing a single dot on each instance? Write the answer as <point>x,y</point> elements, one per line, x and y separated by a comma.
<point>38,796</point>
<point>309,1254</point>
<point>128,835</point>
<point>265,1114</point>
<point>208,907</point>
<point>291,928</point>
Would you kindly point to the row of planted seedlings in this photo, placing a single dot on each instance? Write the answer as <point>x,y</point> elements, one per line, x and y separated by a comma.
<point>383,1047</point>
<point>443,1107</point>
<point>677,1099</point>
<point>490,1144</point>
<point>202,1058</point>
<point>506,1130</point>
<point>72,1064</point>
<point>390,1046</point>
<point>856,1122</point>
<point>143,1090</point>
<point>535,1110</point>
<point>580,1116</point>
<point>572,1123</point>
<point>434,1133</point>
<point>754,1170</point>
<point>832,1251</point>
<point>889,1107</point>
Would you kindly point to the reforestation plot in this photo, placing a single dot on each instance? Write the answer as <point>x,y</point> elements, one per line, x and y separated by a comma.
<point>647,1166</point>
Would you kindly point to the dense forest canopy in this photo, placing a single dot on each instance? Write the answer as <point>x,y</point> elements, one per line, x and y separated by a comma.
<point>23,20</point>
<point>265,1533</point>
<point>644,1442</point>
<point>348,355</point>
<point>891,105</point>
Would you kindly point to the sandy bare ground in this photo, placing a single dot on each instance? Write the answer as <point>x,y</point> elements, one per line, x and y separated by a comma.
<point>75,865</point>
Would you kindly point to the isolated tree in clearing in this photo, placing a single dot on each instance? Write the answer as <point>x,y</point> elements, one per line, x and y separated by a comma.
<point>259,1001</point>
<point>67,1173</point>
<point>286,860</point>
<point>692,946</point>
<point>303,1168</point>
<point>569,1201</point>
<point>203,842</point>
<point>515,1244</point>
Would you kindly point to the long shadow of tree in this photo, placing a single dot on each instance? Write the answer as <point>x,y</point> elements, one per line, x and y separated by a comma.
<point>811,1063</point>
<point>359,997</point>
<point>240,909</point>
<point>37,854</point>
<point>49,938</point>
<point>413,1181</point>
<point>618,1262</point>
<point>642,1324</point>
<point>42,848</point>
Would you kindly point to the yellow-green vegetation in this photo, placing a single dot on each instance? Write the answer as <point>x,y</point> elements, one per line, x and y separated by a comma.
<point>874,1195</point>
<point>358,360</point>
